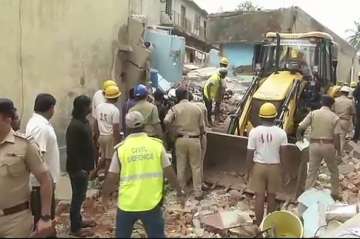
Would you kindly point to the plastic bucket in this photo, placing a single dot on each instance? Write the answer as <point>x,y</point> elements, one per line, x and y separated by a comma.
<point>282,224</point>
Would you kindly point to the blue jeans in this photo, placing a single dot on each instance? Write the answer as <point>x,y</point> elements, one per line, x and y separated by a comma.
<point>79,184</point>
<point>152,220</point>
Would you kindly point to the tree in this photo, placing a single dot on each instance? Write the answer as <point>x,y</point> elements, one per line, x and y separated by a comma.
<point>247,6</point>
<point>354,38</point>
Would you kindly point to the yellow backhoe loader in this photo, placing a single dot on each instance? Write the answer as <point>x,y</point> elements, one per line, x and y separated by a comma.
<point>292,72</point>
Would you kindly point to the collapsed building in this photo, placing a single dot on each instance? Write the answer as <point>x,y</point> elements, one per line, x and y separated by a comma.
<point>239,33</point>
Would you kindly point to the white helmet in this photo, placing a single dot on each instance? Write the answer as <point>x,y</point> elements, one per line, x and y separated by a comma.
<point>345,89</point>
<point>172,93</point>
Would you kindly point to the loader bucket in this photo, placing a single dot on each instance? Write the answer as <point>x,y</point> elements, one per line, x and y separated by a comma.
<point>225,165</point>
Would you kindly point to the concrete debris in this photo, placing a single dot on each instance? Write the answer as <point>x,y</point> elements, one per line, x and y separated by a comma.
<point>227,219</point>
<point>341,212</point>
<point>236,195</point>
<point>179,222</point>
<point>349,229</point>
<point>226,212</point>
<point>189,67</point>
<point>201,75</point>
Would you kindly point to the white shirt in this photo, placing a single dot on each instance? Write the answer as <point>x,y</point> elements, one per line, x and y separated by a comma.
<point>98,99</point>
<point>266,141</point>
<point>107,115</point>
<point>44,135</point>
<point>115,162</point>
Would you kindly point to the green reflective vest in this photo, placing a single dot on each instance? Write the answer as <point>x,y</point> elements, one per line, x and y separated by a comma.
<point>215,80</point>
<point>141,177</point>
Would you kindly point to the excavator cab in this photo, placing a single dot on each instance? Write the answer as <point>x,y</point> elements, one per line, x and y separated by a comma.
<point>292,72</point>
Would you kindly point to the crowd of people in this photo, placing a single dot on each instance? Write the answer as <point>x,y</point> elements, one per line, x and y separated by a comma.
<point>127,149</point>
<point>126,143</point>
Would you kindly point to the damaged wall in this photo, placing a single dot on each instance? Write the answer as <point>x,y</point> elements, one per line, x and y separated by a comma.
<point>61,47</point>
<point>250,27</point>
<point>149,8</point>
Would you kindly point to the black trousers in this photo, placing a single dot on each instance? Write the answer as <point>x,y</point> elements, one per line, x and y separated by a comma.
<point>209,106</point>
<point>79,183</point>
<point>357,123</point>
<point>36,204</point>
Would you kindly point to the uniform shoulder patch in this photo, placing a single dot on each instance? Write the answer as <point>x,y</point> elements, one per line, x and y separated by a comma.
<point>23,136</point>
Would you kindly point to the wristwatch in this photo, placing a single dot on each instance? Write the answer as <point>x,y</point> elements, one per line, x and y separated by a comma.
<point>45,218</point>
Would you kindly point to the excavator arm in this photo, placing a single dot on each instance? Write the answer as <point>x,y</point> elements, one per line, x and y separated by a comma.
<point>234,118</point>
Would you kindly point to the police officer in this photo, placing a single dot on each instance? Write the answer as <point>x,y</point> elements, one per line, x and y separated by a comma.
<point>148,110</point>
<point>214,91</point>
<point>324,142</point>
<point>19,156</point>
<point>345,109</point>
<point>203,138</point>
<point>142,163</point>
<point>188,121</point>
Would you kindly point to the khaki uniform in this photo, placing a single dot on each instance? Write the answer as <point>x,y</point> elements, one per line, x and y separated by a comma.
<point>106,145</point>
<point>325,124</point>
<point>188,121</point>
<point>265,178</point>
<point>203,139</point>
<point>151,115</point>
<point>18,157</point>
<point>345,109</point>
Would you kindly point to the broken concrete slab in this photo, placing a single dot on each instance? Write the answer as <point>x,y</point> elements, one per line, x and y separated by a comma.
<point>136,29</point>
<point>236,195</point>
<point>226,219</point>
<point>346,169</point>
<point>341,212</point>
<point>139,56</point>
<point>349,229</point>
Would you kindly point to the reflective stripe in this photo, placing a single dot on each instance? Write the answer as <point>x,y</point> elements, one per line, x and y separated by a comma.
<point>140,177</point>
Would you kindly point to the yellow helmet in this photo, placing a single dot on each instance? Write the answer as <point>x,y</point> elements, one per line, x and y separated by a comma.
<point>224,61</point>
<point>268,111</point>
<point>353,84</point>
<point>108,83</point>
<point>112,92</point>
<point>295,53</point>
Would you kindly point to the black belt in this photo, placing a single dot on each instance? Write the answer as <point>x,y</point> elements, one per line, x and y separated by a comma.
<point>189,136</point>
<point>322,141</point>
<point>14,209</point>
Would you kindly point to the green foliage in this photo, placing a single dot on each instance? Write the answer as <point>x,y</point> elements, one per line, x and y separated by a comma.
<point>354,38</point>
<point>247,6</point>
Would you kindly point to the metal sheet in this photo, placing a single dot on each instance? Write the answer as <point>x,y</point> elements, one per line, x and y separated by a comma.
<point>225,164</point>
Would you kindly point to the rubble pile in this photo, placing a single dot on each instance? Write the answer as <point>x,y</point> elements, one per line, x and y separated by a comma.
<point>93,208</point>
<point>199,219</point>
<point>236,86</point>
<point>350,173</point>
<point>191,221</point>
